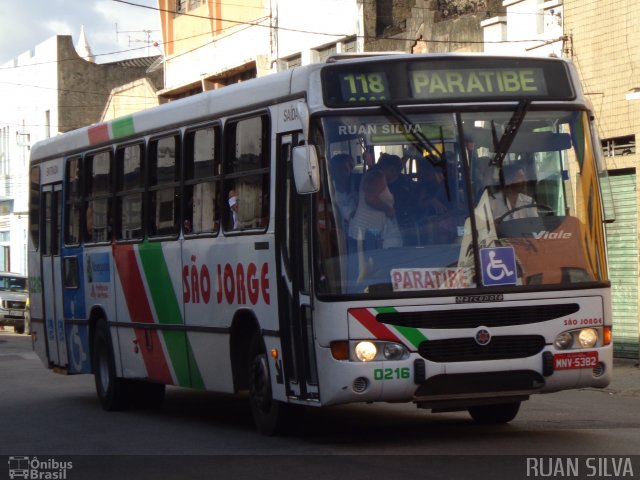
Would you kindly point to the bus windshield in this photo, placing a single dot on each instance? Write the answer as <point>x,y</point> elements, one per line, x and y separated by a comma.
<point>419,202</point>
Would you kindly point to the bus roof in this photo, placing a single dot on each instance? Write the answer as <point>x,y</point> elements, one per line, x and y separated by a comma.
<point>208,105</point>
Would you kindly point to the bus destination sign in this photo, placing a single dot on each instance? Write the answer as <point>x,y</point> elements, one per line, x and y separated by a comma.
<point>458,83</point>
<point>437,80</point>
<point>364,87</point>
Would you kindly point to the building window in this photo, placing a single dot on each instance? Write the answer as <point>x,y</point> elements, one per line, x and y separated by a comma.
<point>350,45</point>
<point>294,61</point>
<point>619,146</point>
<point>384,16</point>
<point>5,256</point>
<point>324,53</point>
<point>180,7</point>
<point>4,151</point>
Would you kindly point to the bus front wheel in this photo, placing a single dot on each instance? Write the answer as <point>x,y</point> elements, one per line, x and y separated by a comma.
<point>494,414</point>
<point>113,392</point>
<point>268,414</point>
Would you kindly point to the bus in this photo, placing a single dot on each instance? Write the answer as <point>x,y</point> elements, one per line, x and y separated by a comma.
<point>204,243</point>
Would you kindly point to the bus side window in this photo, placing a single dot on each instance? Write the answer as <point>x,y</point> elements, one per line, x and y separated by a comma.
<point>73,201</point>
<point>164,170</point>
<point>246,171</point>
<point>129,192</point>
<point>202,181</point>
<point>97,197</point>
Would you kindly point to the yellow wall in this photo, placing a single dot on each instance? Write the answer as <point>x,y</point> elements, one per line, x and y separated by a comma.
<point>200,25</point>
<point>131,98</point>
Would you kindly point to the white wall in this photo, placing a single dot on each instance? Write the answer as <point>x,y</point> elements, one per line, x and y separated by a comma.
<point>303,26</point>
<point>532,27</point>
<point>28,88</point>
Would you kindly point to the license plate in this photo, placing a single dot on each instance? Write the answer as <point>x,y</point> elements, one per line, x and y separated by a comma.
<point>16,313</point>
<point>570,361</point>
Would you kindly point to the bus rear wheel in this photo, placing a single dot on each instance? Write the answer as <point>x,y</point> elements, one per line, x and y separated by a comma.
<point>113,392</point>
<point>268,414</point>
<point>494,414</point>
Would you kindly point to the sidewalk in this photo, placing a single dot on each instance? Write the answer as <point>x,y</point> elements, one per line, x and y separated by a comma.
<point>626,377</point>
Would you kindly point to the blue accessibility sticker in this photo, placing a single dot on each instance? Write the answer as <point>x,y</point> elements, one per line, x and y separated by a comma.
<point>498,266</point>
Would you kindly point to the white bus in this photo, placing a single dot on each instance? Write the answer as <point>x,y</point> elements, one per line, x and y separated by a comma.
<point>397,228</point>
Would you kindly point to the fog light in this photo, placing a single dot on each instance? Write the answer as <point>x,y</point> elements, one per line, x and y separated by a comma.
<point>587,337</point>
<point>365,351</point>
<point>563,341</point>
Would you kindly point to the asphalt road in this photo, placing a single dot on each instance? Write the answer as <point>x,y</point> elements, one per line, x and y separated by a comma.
<point>204,435</point>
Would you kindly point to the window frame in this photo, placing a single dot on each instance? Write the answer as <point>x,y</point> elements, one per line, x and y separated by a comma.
<point>88,195</point>
<point>191,180</point>
<point>157,185</point>
<point>122,191</point>
<point>231,176</point>
<point>74,199</point>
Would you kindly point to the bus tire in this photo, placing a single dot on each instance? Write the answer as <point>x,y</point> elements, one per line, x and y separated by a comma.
<point>268,414</point>
<point>113,392</point>
<point>494,414</point>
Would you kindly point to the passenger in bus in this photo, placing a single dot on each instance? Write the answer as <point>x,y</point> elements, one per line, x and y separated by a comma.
<point>89,224</point>
<point>342,166</point>
<point>372,226</point>
<point>484,177</point>
<point>233,206</point>
<point>512,202</point>
<point>404,191</point>
<point>431,186</point>
<point>436,212</point>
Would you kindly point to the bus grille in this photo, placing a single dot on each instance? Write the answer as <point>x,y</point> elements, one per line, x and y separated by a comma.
<point>476,317</point>
<point>467,350</point>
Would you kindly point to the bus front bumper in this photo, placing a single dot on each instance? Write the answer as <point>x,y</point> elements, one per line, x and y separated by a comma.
<point>460,384</point>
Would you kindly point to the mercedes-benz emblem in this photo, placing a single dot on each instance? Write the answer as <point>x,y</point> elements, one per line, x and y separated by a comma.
<point>483,337</point>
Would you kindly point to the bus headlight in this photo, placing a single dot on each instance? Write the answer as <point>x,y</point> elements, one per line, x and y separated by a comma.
<point>580,338</point>
<point>588,337</point>
<point>377,350</point>
<point>564,341</point>
<point>394,351</point>
<point>365,351</point>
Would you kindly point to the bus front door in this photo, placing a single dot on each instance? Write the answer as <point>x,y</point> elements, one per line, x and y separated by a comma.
<point>294,277</point>
<point>52,275</point>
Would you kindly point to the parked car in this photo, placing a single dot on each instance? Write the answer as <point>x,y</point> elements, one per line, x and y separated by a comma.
<point>14,292</point>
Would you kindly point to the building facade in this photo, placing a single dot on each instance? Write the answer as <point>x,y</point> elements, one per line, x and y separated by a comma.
<point>211,43</point>
<point>603,40</point>
<point>601,37</point>
<point>48,90</point>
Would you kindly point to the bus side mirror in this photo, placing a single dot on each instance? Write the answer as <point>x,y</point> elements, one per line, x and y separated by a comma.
<point>306,173</point>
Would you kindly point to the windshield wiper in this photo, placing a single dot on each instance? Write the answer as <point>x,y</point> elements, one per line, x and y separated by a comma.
<point>501,147</point>
<point>423,144</point>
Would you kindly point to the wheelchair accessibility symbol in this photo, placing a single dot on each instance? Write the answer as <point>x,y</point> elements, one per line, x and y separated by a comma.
<point>498,266</point>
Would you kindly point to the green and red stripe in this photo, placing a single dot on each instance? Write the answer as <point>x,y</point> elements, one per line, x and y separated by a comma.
<point>367,318</point>
<point>148,280</point>
<point>118,128</point>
